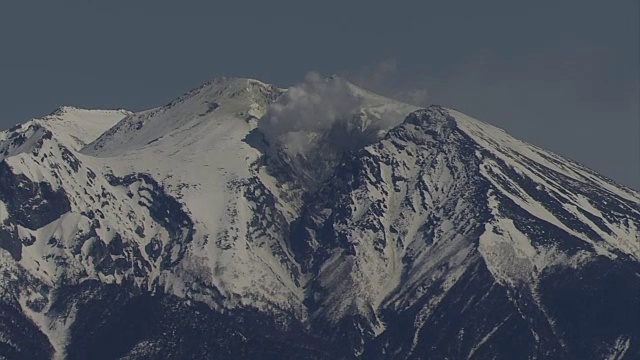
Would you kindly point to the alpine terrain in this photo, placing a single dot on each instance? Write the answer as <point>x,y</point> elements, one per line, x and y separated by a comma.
<point>245,221</point>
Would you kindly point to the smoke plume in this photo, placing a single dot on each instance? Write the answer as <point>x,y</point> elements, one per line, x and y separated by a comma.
<point>308,109</point>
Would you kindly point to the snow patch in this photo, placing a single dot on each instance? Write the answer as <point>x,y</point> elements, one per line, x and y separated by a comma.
<point>4,214</point>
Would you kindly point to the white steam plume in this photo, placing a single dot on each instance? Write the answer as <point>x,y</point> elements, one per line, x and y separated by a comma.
<point>308,109</point>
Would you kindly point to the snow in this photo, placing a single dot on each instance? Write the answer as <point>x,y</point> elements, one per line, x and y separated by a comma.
<point>55,329</point>
<point>492,137</point>
<point>514,152</point>
<point>199,156</point>
<point>4,214</point>
<point>509,254</point>
<point>620,348</point>
<point>77,127</point>
<point>486,337</point>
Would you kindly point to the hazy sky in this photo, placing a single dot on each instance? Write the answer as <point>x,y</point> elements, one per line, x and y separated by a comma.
<point>561,74</point>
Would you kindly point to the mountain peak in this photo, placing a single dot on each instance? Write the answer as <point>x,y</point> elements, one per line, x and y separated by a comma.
<point>433,116</point>
<point>224,99</point>
<point>220,88</point>
<point>62,110</point>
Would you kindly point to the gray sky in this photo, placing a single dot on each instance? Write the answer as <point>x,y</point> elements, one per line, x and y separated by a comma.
<point>561,74</point>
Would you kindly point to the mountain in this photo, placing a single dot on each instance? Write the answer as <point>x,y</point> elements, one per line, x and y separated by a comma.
<point>196,230</point>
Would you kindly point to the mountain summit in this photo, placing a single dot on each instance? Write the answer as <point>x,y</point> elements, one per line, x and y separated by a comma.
<point>322,221</point>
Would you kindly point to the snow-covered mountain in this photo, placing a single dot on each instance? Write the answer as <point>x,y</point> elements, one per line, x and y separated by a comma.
<point>234,223</point>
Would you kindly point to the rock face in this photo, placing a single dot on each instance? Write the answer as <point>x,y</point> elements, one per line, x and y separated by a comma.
<point>186,232</point>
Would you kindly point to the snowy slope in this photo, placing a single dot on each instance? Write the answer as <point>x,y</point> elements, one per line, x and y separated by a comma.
<point>368,236</point>
<point>194,148</point>
<point>411,218</point>
<point>203,155</point>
